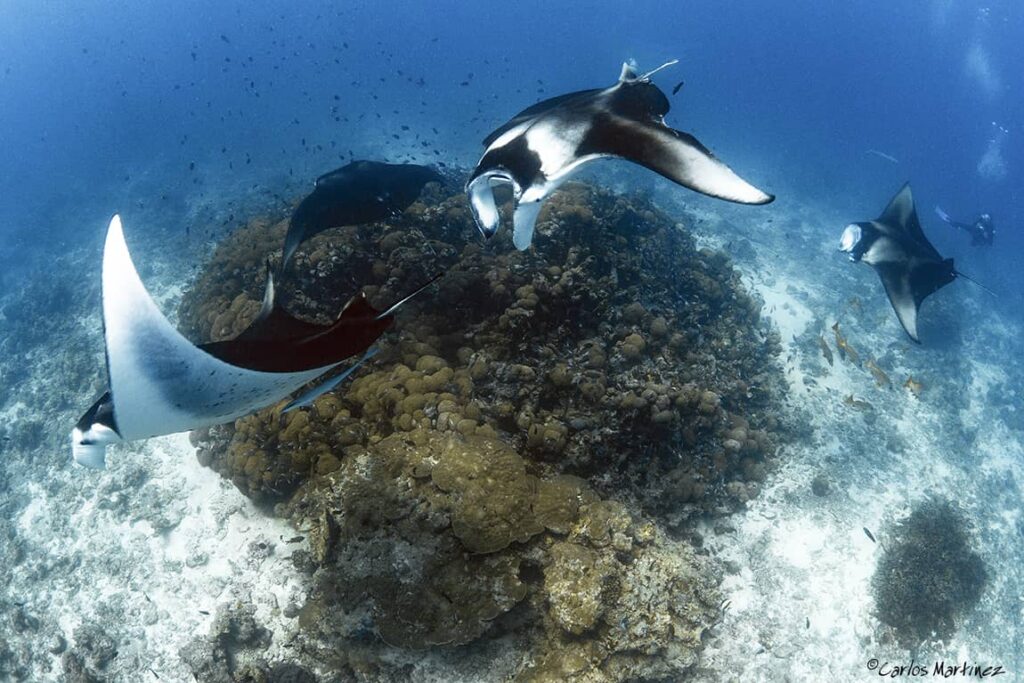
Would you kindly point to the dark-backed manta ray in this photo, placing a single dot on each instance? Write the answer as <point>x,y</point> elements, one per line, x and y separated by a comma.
<point>160,383</point>
<point>543,145</point>
<point>895,246</point>
<point>358,192</point>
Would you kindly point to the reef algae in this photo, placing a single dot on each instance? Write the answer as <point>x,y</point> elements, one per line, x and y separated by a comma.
<point>512,469</point>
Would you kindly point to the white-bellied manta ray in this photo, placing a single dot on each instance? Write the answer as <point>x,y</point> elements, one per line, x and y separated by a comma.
<point>160,383</point>
<point>895,246</point>
<point>543,145</point>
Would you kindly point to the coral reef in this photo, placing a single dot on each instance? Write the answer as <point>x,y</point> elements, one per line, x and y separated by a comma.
<point>471,484</point>
<point>614,350</point>
<point>233,652</point>
<point>436,539</point>
<point>929,576</point>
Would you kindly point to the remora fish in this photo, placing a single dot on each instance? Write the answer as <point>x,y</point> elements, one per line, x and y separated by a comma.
<point>160,383</point>
<point>542,146</point>
<point>358,192</point>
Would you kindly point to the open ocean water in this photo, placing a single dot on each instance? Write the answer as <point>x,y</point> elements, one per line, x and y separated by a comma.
<point>677,438</point>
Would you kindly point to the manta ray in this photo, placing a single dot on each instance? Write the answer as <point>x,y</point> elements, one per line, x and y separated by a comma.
<point>160,383</point>
<point>359,192</point>
<point>909,266</point>
<point>543,145</point>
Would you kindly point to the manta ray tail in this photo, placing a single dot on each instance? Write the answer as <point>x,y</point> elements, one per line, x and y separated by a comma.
<point>975,282</point>
<point>316,392</point>
<point>394,307</point>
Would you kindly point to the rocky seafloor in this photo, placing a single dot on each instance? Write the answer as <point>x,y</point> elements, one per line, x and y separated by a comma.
<point>515,475</point>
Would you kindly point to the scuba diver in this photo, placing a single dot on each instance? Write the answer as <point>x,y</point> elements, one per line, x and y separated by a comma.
<point>982,231</point>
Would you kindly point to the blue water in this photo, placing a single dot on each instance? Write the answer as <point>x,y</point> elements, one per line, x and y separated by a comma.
<point>94,93</point>
<point>187,117</point>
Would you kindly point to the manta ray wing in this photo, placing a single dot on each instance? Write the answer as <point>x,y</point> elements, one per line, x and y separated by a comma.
<point>676,155</point>
<point>534,111</point>
<point>277,349</point>
<point>900,218</point>
<point>896,280</point>
<point>160,383</point>
<point>909,284</point>
<point>359,192</point>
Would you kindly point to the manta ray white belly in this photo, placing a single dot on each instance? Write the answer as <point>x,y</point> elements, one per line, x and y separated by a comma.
<point>160,383</point>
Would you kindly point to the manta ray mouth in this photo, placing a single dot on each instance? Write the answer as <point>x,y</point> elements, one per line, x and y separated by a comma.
<point>850,239</point>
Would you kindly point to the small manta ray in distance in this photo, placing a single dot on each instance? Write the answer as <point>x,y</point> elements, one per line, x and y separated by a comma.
<point>909,266</point>
<point>160,383</point>
<point>541,147</point>
<point>358,192</point>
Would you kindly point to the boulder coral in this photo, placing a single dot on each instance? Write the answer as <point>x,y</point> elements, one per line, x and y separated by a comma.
<point>614,350</point>
<point>517,462</point>
<point>438,539</point>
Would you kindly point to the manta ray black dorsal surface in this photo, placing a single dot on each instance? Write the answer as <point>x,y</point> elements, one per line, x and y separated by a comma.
<point>909,266</point>
<point>359,192</point>
<point>539,148</point>
<point>277,341</point>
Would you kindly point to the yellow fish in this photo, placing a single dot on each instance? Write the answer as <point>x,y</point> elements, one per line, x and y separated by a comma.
<point>913,386</point>
<point>845,350</point>
<point>881,379</point>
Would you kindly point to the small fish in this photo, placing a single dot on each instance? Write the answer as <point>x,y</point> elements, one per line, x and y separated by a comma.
<point>678,86</point>
<point>913,386</point>
<point>225,39</point>
<point>845,350</point>
<point>825,350</point>
<point>155,674</point>
<point>725,604</point>
<point>206,614</point>
<point>857,403</point>
<point>295,539</point>
<point>870,535</point>
<point>881,379</point>
<point>809,620</point>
